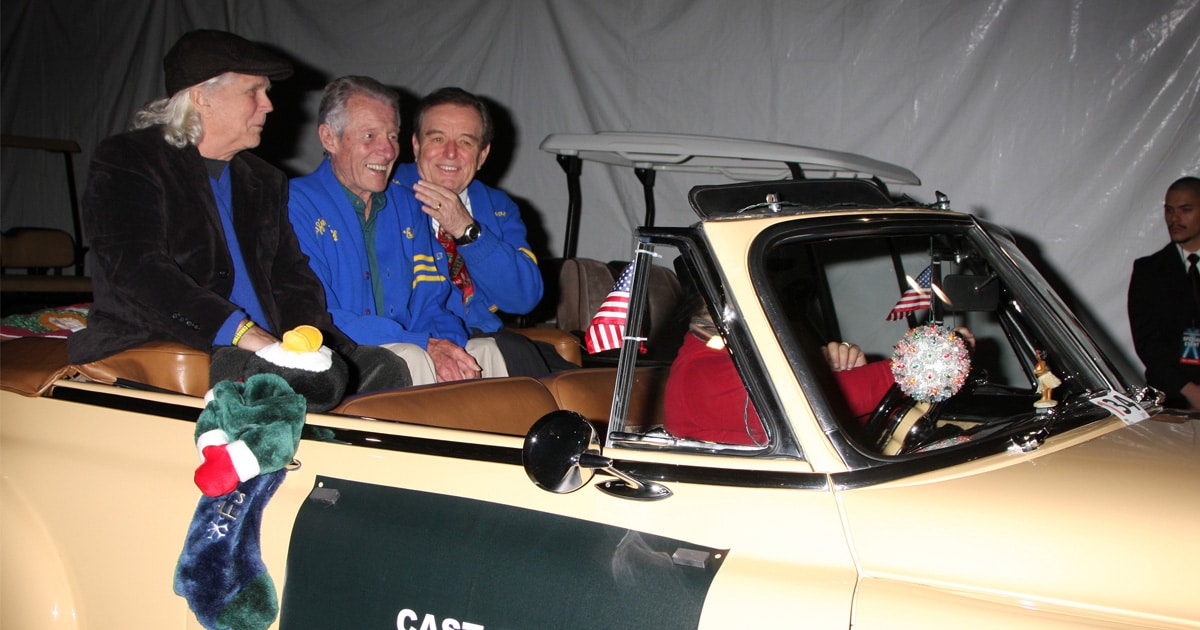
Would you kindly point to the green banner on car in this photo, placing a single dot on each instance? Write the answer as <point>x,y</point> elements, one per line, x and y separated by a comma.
<point>370,556</point>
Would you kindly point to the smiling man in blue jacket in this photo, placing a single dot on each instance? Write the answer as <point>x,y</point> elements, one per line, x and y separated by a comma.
<point>498,271</point>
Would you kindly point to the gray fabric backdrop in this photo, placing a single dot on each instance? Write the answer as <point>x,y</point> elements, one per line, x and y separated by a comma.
<point>1062,120</point>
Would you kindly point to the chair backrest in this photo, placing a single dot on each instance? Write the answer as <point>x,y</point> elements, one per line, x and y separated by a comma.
<point>36,250</point>
<point>31,271</point>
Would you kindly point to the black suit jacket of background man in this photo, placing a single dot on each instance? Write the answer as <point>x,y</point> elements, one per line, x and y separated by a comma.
<point>1161,305</point>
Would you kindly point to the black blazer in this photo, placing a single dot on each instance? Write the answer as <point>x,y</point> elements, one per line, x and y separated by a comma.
<point>161,268</point>
<point>1161,306</point>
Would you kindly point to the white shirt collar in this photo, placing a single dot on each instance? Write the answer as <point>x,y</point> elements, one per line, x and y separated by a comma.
<point>1183,255</point>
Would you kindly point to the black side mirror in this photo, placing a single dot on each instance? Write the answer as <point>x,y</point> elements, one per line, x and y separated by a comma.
<point>562,453</point>
<point>555,449</point>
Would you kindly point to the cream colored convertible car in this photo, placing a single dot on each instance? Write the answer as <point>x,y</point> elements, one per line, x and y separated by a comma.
<point>589,500</point>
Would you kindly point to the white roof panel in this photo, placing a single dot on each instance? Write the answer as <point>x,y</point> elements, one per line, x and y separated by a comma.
<point>744,160</point>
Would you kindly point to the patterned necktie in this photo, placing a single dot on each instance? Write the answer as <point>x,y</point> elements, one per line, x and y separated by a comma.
<point>458,266</point>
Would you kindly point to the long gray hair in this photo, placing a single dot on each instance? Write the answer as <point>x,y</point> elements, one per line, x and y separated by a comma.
<point>177,114</point>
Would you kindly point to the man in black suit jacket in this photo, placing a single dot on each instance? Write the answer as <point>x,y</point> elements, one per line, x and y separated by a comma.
<point>189,231</point>
<point>1164,302</point>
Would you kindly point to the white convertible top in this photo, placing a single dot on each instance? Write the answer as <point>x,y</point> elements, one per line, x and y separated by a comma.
<point>745,160</point>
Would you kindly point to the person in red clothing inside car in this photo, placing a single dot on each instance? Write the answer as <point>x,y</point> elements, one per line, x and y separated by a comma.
<point>725,413</point>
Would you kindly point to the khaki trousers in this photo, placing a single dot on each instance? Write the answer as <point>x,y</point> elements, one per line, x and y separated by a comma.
<point>420,365</point>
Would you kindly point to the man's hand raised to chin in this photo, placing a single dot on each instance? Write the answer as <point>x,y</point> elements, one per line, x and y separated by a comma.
<point>442,204</point>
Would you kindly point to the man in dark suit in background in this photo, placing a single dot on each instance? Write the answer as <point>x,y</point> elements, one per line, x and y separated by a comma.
<point>1164,301</point>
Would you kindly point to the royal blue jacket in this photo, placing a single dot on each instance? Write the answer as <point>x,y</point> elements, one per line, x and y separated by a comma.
<point>419,300</point>
<point>501,264</point>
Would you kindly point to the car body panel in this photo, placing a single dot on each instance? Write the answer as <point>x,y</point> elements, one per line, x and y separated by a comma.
<point>890,604</point>
<point>113,491</point>
<point>1133,480</point>
<point>33,569</point>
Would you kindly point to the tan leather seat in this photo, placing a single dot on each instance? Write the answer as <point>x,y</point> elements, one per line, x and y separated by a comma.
<point>507,406</point>
<point>590,392</point>
<point>566,344</point>
<point>584,283</point>
<point>165,365</point>
<point>30,365</point>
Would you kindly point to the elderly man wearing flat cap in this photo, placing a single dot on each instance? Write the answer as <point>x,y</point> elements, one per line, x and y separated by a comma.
<point>189,231</point>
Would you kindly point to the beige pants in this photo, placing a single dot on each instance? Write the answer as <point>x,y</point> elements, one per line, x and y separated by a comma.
<point>420,365</point>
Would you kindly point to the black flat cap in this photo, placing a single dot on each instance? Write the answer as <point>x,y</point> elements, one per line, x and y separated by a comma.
<point>201,55</point>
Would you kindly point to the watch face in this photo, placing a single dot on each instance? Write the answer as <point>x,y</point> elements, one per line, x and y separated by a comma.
<point>470,235</point>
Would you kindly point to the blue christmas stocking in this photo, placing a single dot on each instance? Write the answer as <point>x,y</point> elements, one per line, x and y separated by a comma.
<point>220,572</point>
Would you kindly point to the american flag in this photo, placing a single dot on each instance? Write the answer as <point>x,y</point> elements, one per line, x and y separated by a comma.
<point>913,299</point>
<point>607,329</point>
